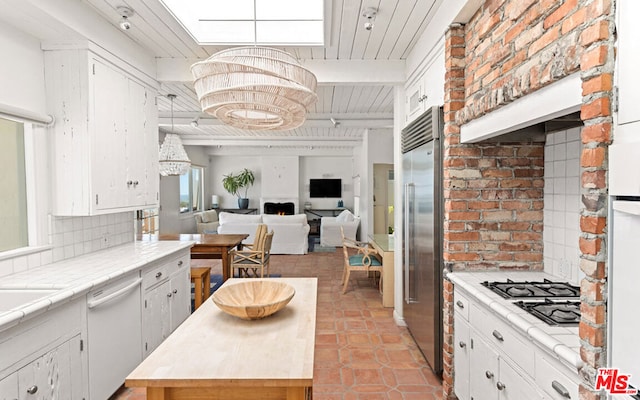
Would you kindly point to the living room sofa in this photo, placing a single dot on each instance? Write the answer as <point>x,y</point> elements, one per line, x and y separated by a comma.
<point>290,232</point>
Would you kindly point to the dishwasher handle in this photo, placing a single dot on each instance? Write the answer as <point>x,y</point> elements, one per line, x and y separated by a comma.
<point>118,293</point>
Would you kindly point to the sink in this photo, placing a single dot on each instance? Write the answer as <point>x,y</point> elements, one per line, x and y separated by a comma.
<point>15,298</point>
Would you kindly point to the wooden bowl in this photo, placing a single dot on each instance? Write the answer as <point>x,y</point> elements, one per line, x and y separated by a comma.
<point>253,299</point>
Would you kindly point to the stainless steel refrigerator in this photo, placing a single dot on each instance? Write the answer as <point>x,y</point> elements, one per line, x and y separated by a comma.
<point>422,243</point>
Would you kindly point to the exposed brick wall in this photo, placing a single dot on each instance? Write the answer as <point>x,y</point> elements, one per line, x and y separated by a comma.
<point>516,47</point>
<point>493,194</point>
<point>596,66</point>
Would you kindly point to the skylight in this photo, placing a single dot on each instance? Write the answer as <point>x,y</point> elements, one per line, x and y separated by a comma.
<point>242,22</point>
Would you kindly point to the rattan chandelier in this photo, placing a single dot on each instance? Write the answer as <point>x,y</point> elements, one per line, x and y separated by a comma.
<point>173,158</point>
<point>255,88</point>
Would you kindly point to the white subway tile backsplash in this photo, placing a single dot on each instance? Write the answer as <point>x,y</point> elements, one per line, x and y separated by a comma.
<point>573,134</point>
<point>559,151</point>
<point>573,150</point>
<point>562,204</point>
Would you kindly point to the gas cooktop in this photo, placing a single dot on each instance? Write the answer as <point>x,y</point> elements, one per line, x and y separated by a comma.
<point>556,303</point>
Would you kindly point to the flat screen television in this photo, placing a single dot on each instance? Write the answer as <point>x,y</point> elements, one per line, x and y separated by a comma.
<point>325,188</point>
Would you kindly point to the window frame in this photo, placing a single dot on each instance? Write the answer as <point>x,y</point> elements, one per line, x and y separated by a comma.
<point>200,199</point>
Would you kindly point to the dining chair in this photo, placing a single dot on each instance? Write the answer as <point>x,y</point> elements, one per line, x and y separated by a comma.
<point>254,260</point>
<point>364,259</point>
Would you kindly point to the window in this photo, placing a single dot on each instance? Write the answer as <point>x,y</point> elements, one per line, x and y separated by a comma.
<point>191,190</point>
<point>13,192</point>
<point>251,21</point>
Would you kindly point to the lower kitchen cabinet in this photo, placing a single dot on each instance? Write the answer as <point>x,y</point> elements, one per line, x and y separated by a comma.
<point>57,374</point>
<point>166,301</point>
<point>487,356</point>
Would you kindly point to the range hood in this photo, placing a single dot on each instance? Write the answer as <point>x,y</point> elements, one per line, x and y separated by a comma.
<point>528,119</point>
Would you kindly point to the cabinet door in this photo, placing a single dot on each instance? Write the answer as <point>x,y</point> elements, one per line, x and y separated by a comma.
<point>415,101</point>
<point>512,386</point>
<point>155,317</point>
<point>107,112</point>
<point>433,83</point>
<point>9,387</point>
<point>628,79</point>
<point>151,148</point>
<point>461,357</point>
<point>50,376</point>
<point>134,150</point>
<point>483,370</point>
<point>180,297</point>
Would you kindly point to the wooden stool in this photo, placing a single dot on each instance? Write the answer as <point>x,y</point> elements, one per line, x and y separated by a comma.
<point>200,277</point>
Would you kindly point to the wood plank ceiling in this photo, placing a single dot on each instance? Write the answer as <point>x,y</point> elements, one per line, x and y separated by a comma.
<point>353,105</point>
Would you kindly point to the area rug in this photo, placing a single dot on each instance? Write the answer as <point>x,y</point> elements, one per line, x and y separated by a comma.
<point>321,249</point>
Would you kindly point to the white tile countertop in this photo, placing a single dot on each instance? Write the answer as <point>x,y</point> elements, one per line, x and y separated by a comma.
<point>75,277</point>
<point>563,341</point>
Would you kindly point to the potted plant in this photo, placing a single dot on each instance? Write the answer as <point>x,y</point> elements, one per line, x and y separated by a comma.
<point>235,183</point>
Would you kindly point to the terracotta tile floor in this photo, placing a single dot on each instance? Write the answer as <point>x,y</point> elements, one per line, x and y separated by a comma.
<point>361,354</point>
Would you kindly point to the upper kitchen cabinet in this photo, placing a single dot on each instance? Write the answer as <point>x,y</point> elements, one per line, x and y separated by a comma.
<point>104,140</point>
<point>628,55</point>
<point>427,89</point>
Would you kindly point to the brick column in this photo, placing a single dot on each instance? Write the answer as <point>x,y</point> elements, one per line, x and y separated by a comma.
<point>454,97</point>
<point>596,65</point>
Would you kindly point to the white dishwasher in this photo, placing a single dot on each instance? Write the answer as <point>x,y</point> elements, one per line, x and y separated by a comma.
<point>114,340</point>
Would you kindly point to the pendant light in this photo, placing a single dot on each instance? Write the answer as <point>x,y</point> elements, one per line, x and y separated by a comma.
<point>255,88</point>
<point>173,158</point>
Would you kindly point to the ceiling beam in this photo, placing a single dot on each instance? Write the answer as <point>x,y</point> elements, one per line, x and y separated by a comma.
<point>270,141</point>
<point>328,72</point>
<point>363,121</point>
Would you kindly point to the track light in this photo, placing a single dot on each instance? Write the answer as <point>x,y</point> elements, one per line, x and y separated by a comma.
<point>334,122</point>
<point>370,14</point>
<point>195,122</point>
<point>125,13</point>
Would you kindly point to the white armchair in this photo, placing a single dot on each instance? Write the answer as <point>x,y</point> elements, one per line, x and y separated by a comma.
<point>207,221</point>
<point>330,234</point>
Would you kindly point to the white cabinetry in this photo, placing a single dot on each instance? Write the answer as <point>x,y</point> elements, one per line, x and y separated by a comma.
<point>166,300</point>
<point>43,357</point>
<point>494,361</point>
<point>427,90</point>
<point>104,140</point>
<point>628,56</point>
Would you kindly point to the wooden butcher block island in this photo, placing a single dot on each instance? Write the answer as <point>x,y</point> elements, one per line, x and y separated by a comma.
<point>213,355</point>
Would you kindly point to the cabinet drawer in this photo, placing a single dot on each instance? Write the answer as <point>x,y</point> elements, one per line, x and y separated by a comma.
<point>161,271</point>
<point>461,304</point>
<point>503,337</point>
<point>553,380</point>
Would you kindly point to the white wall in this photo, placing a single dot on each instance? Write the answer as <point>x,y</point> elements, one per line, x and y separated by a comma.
<point>223,165</point>
<point>21,71</point>
<point>330,168</point>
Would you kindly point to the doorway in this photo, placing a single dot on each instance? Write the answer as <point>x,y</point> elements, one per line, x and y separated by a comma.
<point>383,198</point>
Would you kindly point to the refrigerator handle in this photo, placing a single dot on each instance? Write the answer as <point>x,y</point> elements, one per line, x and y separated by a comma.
<point>409,193</point>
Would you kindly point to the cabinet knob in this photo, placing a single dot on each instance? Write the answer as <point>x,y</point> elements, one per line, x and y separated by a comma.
<point>175,291</point>
<point>135,183</point>
<point>159,274</point>
<point>498,336</point>
<point>32,390</point>
<point>462,344</point>
<point>180,263</point>
<point>129,183</point>
<point>422,98</point>
<point>169,294</point>
<point>558,387</point>
<point>500,385</point>
<point>460,304</point>
<point>488,374</point>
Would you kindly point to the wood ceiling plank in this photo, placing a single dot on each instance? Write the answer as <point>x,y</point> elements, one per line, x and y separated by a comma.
<point>418,22</point>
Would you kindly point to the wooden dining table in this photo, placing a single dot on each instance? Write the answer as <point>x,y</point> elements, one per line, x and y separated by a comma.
<point>209,246</point>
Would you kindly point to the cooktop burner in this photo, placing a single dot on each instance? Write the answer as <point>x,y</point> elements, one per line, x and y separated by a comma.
<point>546,288</point>
<point>566,313</point>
